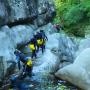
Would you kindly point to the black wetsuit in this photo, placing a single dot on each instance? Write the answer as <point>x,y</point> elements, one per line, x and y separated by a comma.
<point>21,57</point>
<point>41,35</point>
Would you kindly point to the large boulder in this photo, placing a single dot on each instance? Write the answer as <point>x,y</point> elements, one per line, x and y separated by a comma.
<point>64,45</point>
<point>21,33</point>
<point>22,11</point>
<point>10,38</point>
<point>53,41</point>
<point>78,73</point>
<point>6,53</point>
<point>67,48</point>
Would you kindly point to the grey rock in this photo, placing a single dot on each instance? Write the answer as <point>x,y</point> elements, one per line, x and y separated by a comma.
<point>21,33</point>
<point>67,48</point>
<point>10,38</point>
<point>78,73</point>
<point>21,11</point>
<point>53,41</point>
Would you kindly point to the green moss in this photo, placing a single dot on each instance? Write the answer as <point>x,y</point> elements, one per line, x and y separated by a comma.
<point>75,15</point>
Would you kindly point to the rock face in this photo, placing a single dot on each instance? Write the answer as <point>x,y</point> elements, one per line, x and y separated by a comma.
<point>46,11</point>
<point>78,72</point>
<point>9,39</point>
<point>19,11</point>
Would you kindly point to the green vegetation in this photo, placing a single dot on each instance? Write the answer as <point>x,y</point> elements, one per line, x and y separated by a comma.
<point>74,14</point>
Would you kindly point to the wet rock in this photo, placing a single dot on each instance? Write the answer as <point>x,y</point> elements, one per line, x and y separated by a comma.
<point>78,72</point>
<point>45,60</point>
<point>46,64</point>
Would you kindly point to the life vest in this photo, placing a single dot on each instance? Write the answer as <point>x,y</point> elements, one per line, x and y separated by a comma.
<point>29,63</point>
<point>40,41</point>
<point>31,46</point>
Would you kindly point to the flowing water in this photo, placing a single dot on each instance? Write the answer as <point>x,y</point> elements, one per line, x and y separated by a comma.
<point>32,84</point>
<point>41,81</point>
